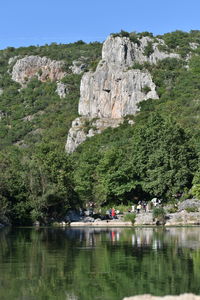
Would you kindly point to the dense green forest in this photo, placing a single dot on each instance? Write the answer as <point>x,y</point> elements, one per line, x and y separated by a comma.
<point>158,156</point>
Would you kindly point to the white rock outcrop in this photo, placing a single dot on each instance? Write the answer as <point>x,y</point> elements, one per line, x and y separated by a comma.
<point>62,89</point>
<point>2,114</point>
<point>79,66</point>
<point>35,66</point>
<point>114,90</point>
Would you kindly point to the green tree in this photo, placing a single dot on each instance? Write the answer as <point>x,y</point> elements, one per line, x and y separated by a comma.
<point>50,184</point>
<point>164,159</point>
<point>115,176</point>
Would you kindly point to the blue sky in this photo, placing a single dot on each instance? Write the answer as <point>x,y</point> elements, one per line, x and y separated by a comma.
<point>37,22</point>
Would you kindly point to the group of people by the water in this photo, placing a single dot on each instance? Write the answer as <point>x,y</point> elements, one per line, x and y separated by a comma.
<point>141,206</point>
<point>112,213</point>
<point>145,206</point>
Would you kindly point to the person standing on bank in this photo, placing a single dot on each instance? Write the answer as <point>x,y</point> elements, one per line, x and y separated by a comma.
<point>113,213</point>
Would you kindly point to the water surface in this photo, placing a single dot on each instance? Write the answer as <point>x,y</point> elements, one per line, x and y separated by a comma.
<point>92,264</point>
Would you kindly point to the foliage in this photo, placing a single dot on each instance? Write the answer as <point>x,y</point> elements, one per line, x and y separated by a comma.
<point>192,209</point>
<point>148,50</point>
<point>181,41</point>
<point>132,36</point>
<point>122,33</point>
<point>93,64</point>
<point>172,209</point>
<point>67,259</point>
<point>163,158</point>
<point>159,214</point>
<point>146,89</point>
<point>130,217</point>
<point>158,156</point>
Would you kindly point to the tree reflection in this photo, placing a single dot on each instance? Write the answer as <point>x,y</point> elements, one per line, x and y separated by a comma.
<point>94,263</point>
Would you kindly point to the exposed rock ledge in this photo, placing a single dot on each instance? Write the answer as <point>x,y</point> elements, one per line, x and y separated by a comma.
<point>150,297</point>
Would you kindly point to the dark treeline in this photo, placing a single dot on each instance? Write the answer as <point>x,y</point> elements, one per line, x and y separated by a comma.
<point>157,156</point>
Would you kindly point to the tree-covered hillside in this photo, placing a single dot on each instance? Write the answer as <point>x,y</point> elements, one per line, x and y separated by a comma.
<point>157,156</point>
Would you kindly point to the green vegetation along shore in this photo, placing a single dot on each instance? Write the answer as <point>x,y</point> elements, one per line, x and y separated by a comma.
<point>156,157</point>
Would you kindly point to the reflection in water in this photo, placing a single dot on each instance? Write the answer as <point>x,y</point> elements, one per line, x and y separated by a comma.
<point>96,263</point>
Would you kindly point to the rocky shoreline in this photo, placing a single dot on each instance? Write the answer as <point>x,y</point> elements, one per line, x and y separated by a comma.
<point>184,213</point>
<point>182,218</point>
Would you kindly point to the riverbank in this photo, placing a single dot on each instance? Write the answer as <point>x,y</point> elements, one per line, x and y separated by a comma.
<point>182,218</point>
<point>102,223</point>
<point>185,213</point>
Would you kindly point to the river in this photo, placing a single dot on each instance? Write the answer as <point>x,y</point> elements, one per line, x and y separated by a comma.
<point>94,264</point>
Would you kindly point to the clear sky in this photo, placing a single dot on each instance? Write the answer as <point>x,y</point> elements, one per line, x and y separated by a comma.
<point>37,22</point>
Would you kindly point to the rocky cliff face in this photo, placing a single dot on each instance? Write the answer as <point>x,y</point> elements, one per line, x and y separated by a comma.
<point>114,89</point>
<point>41,67</point>
<point>120,50</point>
<point>112,92</point>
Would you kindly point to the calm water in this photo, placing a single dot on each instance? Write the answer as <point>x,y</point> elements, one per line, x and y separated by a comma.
<point>91,264</point>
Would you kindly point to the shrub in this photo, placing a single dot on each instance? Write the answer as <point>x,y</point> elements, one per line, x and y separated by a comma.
<point>192,209</point>
<point>130,217</point>
<point>122,208</point>
<point>93,65</point>
<point>146,89</point>
<point>146,33</point>
<point>173,210</point>
<point>159,214</point>
<point>134,38</point>
<point>148,50</point>
<point>124,33</point>
<point>136,66</point>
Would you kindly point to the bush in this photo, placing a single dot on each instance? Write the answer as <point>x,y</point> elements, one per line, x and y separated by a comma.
<point>132,36</point>
<point>159,214</point>
<point>192,209</point>
<point>130,217</point>
<point>93,65</point>
<point>146,89</point>
<point>148,49</point>
<point>173,210</point>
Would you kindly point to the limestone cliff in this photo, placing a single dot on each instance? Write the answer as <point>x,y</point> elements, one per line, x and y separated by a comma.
<point>120,50</point>
<point>114,89</point>
<point>35,66</point>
